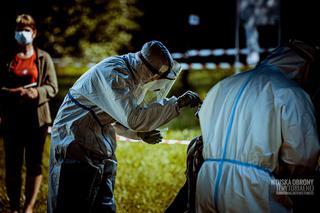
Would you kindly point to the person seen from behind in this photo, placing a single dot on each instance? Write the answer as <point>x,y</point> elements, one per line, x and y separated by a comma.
<point>259,131</point>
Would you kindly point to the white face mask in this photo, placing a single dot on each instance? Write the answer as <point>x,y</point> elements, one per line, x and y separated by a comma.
<point>23,37</point>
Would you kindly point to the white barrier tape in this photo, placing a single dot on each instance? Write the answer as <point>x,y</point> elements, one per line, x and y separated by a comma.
<point>191,53</point>
<point>214,52</point>
<point>211,66</point>
<point>121,138</point>
<point>185,66</point>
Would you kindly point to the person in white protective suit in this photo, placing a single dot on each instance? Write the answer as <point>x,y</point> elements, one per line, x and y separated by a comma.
<point>258,127</point>
<point>123,94</point>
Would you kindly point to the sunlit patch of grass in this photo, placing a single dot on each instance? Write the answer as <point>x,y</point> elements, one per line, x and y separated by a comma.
<point>149,176</point>
<point>182,134</point>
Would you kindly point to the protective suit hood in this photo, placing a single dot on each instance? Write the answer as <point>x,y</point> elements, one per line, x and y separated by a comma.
<point>139,70</point>
<point>293,60</point>
<point>151,89</point>
<point>157,59</point>
<point>154,70</point>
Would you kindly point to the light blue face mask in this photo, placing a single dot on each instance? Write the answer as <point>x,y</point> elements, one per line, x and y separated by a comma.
<point>23,37</point>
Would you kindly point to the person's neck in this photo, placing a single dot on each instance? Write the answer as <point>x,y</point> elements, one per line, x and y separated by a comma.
<point>26,51</point>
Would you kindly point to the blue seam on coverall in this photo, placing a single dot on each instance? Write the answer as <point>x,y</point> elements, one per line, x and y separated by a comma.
<point>94,116</point>
<point>227,140</point>
<point>241,164</point>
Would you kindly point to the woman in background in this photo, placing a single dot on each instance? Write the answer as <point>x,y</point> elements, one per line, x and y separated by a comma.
<point>28,81</point>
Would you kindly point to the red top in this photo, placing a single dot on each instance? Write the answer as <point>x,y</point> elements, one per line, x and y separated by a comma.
<point>24,70</point>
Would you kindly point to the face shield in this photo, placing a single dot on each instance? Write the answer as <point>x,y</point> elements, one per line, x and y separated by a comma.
<point>173,73</point>
<point>157,58</point>
<point>159,89</point>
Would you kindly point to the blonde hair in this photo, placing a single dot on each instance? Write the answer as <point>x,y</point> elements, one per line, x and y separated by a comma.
<point>25,20</point>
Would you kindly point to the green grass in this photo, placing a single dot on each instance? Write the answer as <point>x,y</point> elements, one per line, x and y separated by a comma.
<point>148,177</point>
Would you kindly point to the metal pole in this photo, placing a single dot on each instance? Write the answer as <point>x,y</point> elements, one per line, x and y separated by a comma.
<point>237,42</point>
<point>280,39</point>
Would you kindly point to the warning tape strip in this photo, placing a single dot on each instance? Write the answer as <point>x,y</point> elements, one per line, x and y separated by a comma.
<point>215,52</point>
<point>194,53</point>
<point>121,138</point>
<point>211,66</point>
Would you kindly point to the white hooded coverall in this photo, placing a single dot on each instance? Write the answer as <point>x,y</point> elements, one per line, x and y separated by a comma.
<point>110,93</point>
<point>254,125</point>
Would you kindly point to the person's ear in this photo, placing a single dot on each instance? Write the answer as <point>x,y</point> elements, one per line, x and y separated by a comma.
<point>34,34</point>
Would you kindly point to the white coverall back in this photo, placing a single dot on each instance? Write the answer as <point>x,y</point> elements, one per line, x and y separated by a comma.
<point>254,124</point>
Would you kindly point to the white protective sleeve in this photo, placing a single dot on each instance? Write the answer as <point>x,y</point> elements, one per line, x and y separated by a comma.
<point>300,149</point>
<point>125,132</point>
<point>114,91</point>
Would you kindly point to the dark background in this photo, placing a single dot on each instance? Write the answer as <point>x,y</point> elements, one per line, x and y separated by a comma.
<point>167,20</point>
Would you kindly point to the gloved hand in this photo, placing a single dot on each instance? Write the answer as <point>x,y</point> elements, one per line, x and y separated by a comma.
<point>151,137</point>
<point>189,98</point>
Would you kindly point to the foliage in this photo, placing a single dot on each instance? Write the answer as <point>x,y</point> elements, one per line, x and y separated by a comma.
<point>90,29</point>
